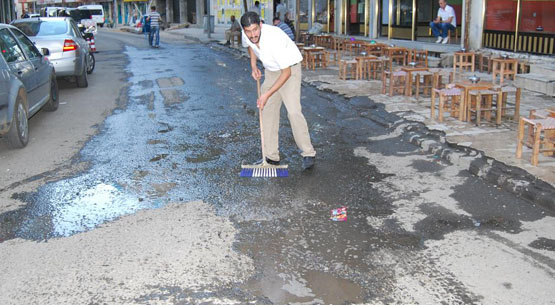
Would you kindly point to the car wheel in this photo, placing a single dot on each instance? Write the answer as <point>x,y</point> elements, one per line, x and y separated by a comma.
<point>54,101</point>
<point>90,66</point>
<point>82,79</point>
<point>18,135</point>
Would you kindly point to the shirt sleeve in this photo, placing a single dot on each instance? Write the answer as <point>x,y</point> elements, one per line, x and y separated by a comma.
<point>451,12</point>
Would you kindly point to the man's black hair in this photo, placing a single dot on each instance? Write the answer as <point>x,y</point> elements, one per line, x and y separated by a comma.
<point>276,18</point>
<point>249,18</point>
<point>153,7</point>
<point>256,3</point>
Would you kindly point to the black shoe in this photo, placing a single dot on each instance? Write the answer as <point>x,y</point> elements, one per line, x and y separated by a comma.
<point>271,162</point>
<point>227,43</point>
<point>308,162</point>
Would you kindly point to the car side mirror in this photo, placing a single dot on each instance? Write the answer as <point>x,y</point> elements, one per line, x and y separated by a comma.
<point>45,51</point>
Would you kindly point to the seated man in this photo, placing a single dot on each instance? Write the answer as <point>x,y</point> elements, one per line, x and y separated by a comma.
<point>284,27</point>
<point>444,22</point>
<point>234,30</point>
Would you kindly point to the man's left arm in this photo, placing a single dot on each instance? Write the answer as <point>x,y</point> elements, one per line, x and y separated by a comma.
<point>282,79</point>
<point>452,15</point>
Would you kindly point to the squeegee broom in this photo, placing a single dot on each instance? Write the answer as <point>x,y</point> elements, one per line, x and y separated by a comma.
<point>265,169</point>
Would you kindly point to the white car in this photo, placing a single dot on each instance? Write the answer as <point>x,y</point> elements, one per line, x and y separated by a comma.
<point>97,13</point>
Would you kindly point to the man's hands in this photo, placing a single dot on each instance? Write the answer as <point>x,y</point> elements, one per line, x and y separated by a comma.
<point>261,102</point>
<point>256,74</point>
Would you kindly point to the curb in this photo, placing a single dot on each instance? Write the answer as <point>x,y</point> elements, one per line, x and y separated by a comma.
<point>510,178</point>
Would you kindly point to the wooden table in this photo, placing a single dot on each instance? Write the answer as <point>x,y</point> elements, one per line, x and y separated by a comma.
<point>353,46</point>
<point>468,86</point>
<point>463,60</point>
<point>408,83</point>
<point>375,49</point>
<point>504,67</point>
<point>309,58</point>
<point>323,40</point>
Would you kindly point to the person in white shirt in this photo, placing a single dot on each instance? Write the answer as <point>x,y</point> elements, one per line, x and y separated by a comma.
<point>280,10</point>
<point>282,84</point>
<point>445,21</point>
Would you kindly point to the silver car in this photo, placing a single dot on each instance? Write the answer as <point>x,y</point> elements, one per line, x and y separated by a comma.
<point>69,51</point>
<point>27,84</point>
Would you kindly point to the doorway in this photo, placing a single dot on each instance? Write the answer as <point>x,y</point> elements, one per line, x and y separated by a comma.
<point>356,17</point>
<point>410,19</point>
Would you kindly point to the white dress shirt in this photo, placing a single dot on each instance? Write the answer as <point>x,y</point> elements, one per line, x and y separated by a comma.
<point>446,13</point>
<point>277,51</point>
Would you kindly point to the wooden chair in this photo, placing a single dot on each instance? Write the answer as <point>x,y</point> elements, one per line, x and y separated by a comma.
<point>540,137</point>
<point>463,61</point>
<point>317,59</point>
<point>420,57</point>
<point>484,62</point>
<point>375,68</point>
<point>480,101</point>
<point>427,78</point>
<point>396,54</point>
<point>505,104</point>
<point>347,69</point>
<point>441,77</point>
<point>451,95</point>
<point>456,32</point>
<point>396,81</point>
<point>236,39</point>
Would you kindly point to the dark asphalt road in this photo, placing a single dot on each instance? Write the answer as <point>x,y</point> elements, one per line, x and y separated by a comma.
<point>187,125</point>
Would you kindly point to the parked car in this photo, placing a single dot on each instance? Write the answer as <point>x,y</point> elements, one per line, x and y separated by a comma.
<point>27,82</point>
<point>69,51</point>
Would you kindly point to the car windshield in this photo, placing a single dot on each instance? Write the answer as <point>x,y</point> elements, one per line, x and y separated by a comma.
<point>42,28</point>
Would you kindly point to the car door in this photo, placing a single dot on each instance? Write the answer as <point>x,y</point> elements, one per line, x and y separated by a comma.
<point>41,73</point>
<point>17,62</point>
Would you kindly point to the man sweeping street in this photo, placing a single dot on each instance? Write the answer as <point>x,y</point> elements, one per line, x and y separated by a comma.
<point>282,84</point>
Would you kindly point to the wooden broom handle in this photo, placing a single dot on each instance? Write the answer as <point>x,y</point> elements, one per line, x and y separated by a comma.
<point>260,122</point>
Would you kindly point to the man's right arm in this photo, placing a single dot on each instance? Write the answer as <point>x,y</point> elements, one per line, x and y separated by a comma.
<point>256,74</point>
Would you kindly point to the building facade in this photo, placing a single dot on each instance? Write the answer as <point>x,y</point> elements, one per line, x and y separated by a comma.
<point>7,11</point>
<point>123,12</point>
<point>512,25</point>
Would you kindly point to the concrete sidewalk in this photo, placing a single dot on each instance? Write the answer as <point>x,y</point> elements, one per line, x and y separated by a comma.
<point>197,34</point>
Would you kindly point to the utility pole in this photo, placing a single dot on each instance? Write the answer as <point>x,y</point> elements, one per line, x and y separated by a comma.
<point>115,12</point>
<point>208,19</point>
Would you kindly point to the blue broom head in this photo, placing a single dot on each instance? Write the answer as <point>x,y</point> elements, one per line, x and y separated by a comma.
<point>264,172</point>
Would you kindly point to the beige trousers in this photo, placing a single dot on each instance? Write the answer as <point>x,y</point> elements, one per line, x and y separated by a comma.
<point>290,95</point>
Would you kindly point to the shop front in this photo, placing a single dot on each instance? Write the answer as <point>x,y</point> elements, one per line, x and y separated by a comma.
<point>520,26</point>
<point>410,19</point>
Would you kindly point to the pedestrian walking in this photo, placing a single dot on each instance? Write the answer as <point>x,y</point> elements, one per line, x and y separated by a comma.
<point>145,27</point>
<point>282,85</point>
<point>154,18</point>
